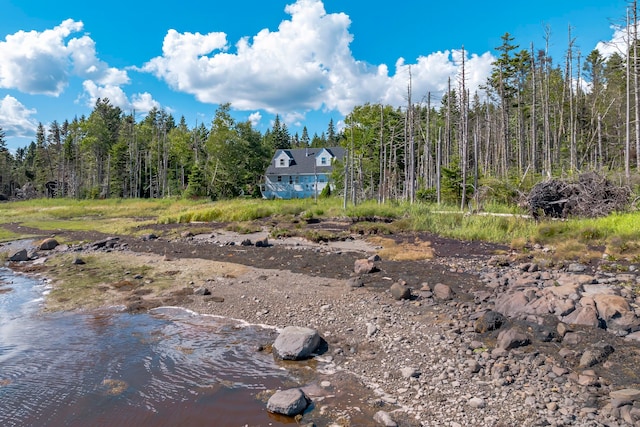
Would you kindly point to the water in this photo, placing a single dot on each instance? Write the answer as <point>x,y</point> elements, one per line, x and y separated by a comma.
<point>169,368</point>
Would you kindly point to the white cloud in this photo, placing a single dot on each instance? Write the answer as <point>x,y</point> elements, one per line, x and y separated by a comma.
<point>15,118</point>
<point>618,43</point>
<point>141,103</point>
<point>254,118</point>
<point>86,65</point>
<point>144,102</point>
<point>42,62</point>
<point>305,65</point>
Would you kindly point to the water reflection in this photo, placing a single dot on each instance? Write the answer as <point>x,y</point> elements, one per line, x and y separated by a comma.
<point>104,368</point>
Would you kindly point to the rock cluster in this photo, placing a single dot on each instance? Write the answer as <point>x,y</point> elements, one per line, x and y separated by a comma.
<point>489,343</point>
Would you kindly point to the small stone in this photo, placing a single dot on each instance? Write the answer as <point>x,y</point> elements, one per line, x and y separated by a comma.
<point>477,402</point>
<point>355,282</point>
<point>371,329</point>
<point>384,418</point>
<point>409,372</point>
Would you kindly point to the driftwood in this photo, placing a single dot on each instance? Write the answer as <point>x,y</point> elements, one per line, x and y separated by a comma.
<point>590,196</point>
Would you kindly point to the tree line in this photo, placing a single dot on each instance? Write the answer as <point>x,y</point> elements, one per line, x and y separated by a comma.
<point>532,119</point>
<point>109,154</point>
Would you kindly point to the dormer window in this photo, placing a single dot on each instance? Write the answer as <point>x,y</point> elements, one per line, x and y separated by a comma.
<point>323,161</point>
<point>281,162</point>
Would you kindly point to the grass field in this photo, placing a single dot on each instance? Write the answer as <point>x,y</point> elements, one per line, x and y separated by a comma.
<point>618,232</point>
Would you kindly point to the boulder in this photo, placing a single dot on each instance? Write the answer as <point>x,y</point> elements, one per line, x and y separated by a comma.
<point>288,402</point>
<point>610,306</point>
<point>48,244</point>
<point>489,321</point>
<point>364,266</point>
<point>264,243</point>
<point>586,314</point>
<point>513,304</point>
<point>629,394</point>
<point>19,256</point>
<point>400,291</point>
<point>296,343</point>
<point>442,292</point>
<point>598,353</point>
<point>512,338</point>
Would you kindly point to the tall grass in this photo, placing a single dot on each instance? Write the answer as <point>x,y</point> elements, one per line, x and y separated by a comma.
<point>127,215</point>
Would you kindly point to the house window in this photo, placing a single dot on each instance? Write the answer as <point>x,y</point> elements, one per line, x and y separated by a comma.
<point>290,180</point>
<point>297,179</point>
<point>279,178</point>
<point>323,160</point>
<point>281,162</point>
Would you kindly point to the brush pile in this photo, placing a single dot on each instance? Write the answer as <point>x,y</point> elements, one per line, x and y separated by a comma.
<point>590,196</point>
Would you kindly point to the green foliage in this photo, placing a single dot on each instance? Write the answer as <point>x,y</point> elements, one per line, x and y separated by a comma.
<point>197,186</point>
<point>427,195</point>
<point>326,192</point>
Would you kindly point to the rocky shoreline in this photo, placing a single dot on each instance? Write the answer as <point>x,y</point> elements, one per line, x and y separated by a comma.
<point>452,341</point>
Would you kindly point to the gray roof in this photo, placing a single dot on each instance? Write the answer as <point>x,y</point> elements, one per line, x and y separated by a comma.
<point>303,161</point>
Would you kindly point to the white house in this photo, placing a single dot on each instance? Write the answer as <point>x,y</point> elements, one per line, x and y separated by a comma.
<point>299,173</point>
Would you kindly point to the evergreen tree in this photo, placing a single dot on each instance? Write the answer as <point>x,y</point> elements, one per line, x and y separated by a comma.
<point>305,141</point>
<point>332,137</point>
<point>6,166</point>
<point>197,186</point>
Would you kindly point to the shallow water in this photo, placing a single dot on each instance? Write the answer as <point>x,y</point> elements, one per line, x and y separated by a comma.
<point>169,368</point>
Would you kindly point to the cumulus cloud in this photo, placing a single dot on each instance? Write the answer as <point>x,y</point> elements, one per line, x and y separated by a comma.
<point>618,43</point>
<point>254,118</point>
<point>305,65</point>
<point>42,62</point>
<point>16,119</point>
<point>141,102</point>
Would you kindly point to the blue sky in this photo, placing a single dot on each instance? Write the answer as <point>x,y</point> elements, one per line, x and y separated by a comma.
<point>308,61</point>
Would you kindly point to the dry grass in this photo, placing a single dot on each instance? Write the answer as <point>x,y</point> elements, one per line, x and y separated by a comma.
<point>404,251</point>
<point>574,250</point>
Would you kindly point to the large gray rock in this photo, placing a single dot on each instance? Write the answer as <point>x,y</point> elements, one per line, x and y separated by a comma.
<point>288,402</point>
<point>610,306</point>
<point>598,353</point>
<point>296,343</point>
<point>512,338</point>
<point>489,321</point>
<point>48,244</point>
<point>512,304</point>
<point>19,256</point>
<point>364,266</point>
<point>586,315</point>
<point>400,291</point>
<point>442,292</point>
